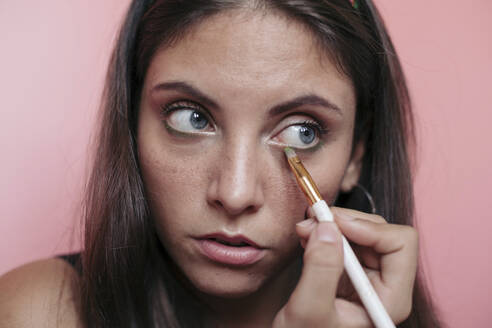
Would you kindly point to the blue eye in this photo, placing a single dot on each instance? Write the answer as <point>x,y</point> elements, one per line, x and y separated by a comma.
<point>187,120</point>
<point>303,135</point>
<point>183,117</point>
<point>307,134</point>
<point>198,120</point>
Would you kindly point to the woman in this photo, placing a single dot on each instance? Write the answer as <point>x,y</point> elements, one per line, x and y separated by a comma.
<point>192,215</point>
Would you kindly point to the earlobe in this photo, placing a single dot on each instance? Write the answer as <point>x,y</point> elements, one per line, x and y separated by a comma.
<point>352,173</point>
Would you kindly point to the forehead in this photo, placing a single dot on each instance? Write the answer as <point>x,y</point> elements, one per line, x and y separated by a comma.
<point>246,52</point>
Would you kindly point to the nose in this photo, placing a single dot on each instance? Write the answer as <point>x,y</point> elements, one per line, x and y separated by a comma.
<point>236,186</point>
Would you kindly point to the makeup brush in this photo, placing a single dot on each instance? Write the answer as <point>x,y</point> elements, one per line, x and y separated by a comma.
<point>359,279</point>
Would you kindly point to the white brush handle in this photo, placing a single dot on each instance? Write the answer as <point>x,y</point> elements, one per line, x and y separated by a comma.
<point>359,279</point>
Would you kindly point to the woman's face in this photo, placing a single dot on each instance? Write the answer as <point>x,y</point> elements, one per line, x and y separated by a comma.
<point>216,111</point>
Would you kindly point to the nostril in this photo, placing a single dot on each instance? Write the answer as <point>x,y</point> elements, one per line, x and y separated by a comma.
<point>235,186</point>
<point>235,209</point>
<point>218,204</point>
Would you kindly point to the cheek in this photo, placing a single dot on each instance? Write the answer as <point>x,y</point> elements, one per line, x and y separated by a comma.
<point>175,186</point>
<point>285,197</point>
<point>284,203</point>
<point>175,178</point>
<point>328,168</point>
<point>328,179</point>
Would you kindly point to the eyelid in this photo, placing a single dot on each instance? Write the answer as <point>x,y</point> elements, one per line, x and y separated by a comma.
<point>299,118</point>
<point>318,126</point>
<point>320,131</point>
<point>182,104</point>
<point>185,104</point>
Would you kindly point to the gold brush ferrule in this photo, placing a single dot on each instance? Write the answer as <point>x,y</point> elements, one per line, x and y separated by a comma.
<point>303,177</point>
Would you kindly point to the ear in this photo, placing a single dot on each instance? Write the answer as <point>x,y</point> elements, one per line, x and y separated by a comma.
<point>352,173</point>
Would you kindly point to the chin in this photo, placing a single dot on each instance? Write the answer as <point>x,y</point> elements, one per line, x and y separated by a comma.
<point>228,284</point>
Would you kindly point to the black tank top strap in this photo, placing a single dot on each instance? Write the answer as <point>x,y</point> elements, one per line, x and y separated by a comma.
<point>74,260</point>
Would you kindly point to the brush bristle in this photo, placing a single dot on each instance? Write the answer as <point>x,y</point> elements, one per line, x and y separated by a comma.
<point>289,152</point>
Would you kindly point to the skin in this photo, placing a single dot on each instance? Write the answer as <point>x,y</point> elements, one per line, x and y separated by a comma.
<point>236,179</point>
<point>40,294</point>
<point>232,176</point>
<point>241,184</point>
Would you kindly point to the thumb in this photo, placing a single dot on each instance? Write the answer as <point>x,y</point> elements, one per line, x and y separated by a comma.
<point>312,301</point>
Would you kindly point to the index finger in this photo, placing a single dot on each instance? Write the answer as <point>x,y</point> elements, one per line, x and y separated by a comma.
<point>342,212</point>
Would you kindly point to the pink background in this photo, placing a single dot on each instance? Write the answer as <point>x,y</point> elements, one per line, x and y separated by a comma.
<point>52,61</point>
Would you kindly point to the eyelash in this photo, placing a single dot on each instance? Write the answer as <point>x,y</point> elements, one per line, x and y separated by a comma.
<point>320,127</point>
<point>182,104</point>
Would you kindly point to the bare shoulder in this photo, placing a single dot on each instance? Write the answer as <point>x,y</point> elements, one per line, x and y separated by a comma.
<point>39,294</point>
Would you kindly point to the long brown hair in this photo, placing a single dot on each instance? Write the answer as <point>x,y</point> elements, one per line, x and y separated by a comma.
<point>127,278</point>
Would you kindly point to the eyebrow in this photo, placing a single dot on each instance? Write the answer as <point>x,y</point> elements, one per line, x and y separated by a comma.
<point>309,99</point>
<point>187,88</point>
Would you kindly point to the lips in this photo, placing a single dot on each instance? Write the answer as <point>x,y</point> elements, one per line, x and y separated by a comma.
<point>235,250</point>
<point>237,240</point>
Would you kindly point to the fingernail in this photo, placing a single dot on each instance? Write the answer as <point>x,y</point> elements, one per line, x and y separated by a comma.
<point>305,223</point>
<point>303,243</point>
<point>326,232</point>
